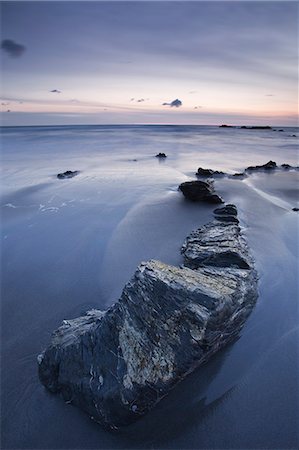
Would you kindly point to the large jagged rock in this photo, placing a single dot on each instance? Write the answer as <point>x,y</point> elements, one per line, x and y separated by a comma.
<point>116,365</point>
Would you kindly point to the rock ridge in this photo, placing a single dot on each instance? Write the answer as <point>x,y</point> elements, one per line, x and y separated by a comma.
<point>116,365</point>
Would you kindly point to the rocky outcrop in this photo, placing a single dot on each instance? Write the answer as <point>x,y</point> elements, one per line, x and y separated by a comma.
<point>200,191</point>
<point>161,155</point>
<point>68,174</point>
<point>116,365</point>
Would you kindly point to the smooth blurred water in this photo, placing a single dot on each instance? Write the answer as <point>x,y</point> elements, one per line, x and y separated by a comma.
<point>71,245</point>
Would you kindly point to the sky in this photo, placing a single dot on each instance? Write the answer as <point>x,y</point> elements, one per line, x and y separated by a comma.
<point>149,62</point>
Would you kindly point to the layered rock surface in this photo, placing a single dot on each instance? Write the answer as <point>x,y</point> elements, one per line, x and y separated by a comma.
<point>116,365</point>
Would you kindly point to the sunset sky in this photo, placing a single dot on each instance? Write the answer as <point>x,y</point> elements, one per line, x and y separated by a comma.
<point>118,62</point>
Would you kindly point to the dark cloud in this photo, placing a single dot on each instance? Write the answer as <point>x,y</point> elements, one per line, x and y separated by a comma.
<point>175,103</point>
<point>12,48</point>
<point>56,91</point>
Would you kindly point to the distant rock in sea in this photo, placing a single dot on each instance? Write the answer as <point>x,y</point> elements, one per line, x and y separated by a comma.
<point>68,174</point>
<point>161,155</point>
<point>256,127</point>
<point>200,191</point>
<point>208,172</point>
<point>295,209</point>
<point>238,175</point>
<point>270,165</point>
<point>117,365</point>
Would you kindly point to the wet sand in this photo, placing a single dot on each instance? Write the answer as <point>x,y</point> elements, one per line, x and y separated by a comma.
<point>69,246</point>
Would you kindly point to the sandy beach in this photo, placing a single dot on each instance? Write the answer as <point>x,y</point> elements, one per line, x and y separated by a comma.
<point>71,245</point>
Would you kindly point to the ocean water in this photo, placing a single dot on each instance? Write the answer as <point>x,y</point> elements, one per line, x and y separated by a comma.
<point>70,245</point>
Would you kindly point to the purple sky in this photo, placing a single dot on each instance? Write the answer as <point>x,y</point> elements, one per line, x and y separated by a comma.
<point>118,62</point>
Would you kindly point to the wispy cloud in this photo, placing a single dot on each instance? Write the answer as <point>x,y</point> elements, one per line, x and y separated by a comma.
<point>12,48</point>
<point>174,104</point>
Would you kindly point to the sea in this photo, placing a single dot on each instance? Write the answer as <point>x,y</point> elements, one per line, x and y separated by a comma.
<point>70,245</point>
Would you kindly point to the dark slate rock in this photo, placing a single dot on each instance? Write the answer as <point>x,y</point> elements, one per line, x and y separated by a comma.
<point>161,155</point>
<point>200,191</point>
<point>116,365</point>
<point>238,175</point>
<point>68,174</point>
<point>216,244</point>
<point>227,210</point>
<point>208,172</point>
<point>270,165</point>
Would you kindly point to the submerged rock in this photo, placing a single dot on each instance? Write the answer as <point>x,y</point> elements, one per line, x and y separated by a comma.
<point>68,174</point>
<point>270,165</point>
<point>200,191</point>
<point>116,365</point>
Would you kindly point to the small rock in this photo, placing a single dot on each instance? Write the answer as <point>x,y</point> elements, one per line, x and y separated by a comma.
<point>295,209</point>
<point>238,175</point>
<point>208,172</point>
<point>161,155</point>
<point>227,210</point>
<point>68,174</point>
<point>200,191</point>
<point>286,166</point>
